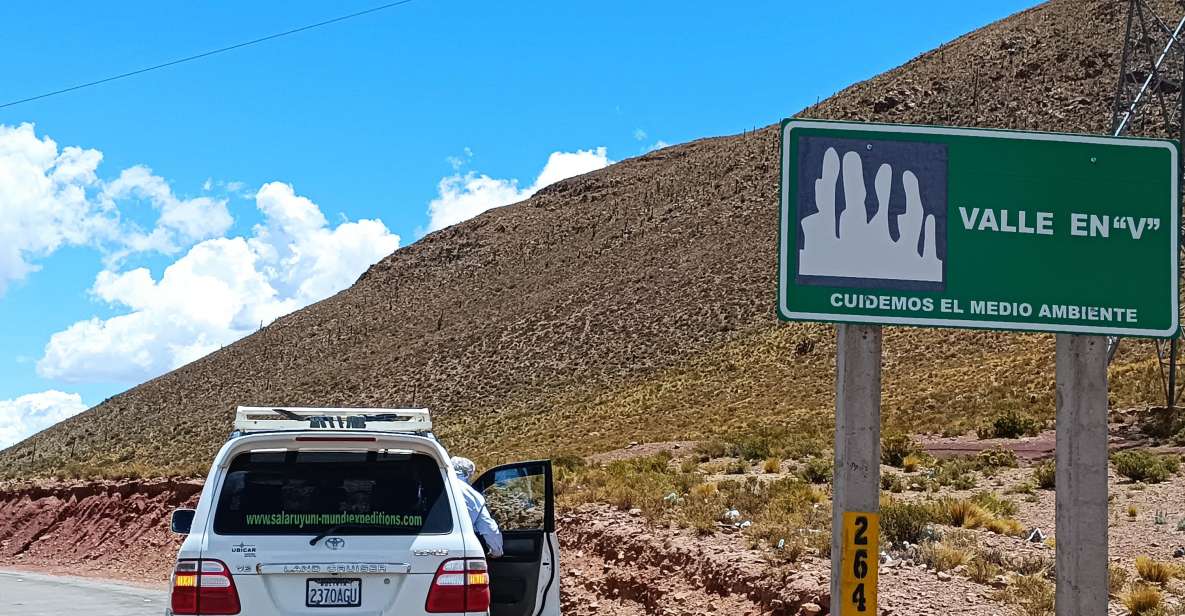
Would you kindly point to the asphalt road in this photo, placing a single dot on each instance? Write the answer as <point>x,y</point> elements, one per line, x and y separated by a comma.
<point>30,594</point>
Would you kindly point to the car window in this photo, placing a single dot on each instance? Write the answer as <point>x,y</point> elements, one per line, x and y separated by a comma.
<point>308,492</point>
<point>516,499</point>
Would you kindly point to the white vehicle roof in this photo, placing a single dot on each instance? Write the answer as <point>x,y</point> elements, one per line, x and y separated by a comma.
<point>255,419</point>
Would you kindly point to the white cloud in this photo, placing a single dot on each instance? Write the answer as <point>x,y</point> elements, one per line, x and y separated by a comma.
<point>462,197</point>
<point>219,291</point>
<point>639,134</point>
<point>181,221</point>
<point>51,198</point>
<point>26,415</point>
<point>45,200</point>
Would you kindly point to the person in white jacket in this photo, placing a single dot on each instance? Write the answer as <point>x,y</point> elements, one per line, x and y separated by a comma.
<point>483,524</point>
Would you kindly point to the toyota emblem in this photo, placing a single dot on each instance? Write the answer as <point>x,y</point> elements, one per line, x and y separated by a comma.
<point>335,543</point>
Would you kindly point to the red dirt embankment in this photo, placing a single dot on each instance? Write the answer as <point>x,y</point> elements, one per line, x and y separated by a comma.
<point>105,529</point>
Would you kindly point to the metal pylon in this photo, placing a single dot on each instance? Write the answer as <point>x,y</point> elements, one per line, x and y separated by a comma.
<point>1149,102</point>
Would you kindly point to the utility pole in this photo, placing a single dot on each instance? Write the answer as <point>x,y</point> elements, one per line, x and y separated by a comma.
<point>856,485</point>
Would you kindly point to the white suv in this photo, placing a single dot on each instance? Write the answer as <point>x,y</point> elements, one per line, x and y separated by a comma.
<point>357,512</point>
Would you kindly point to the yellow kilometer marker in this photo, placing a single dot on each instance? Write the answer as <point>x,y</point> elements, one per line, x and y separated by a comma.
<point>858,563</point>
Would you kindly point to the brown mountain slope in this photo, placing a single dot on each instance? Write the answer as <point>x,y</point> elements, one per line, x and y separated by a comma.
<point>633,302</point>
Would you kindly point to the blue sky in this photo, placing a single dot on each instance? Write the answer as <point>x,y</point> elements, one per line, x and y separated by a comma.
<point>370,119</point>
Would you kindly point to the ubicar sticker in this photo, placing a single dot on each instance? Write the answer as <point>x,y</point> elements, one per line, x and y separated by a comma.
<point>858,563</point>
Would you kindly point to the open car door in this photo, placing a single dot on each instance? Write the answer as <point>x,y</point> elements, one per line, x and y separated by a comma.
<point>525,581</point>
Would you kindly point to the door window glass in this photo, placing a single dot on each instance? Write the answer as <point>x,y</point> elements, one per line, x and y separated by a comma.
<point>517,498</point>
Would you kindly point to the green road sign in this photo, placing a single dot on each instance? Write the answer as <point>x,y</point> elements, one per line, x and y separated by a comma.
<point>953,227</point>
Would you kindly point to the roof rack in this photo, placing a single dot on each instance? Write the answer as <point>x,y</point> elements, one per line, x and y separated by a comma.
<point>250,419</point>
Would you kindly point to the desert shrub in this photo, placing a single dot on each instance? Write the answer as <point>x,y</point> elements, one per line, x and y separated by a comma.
<point>753,447</point>
<point>568,462</point>
<point>736,467</point>
<point>1045,475</point>
<point>996,457</point>
<point>643,482</point>
<point>892,482</point>
<point>1132,512</point>
<point>701,513</point>
<point>817,469</point>
<point>942,557</point>
<point>1154,571</point>
<point>956,472</point>
<point>784,511</point>
<point>964,482</point>
<point>709,450</point>
<point>1116,579</point>
<point>1010,424</point>
<point>1004,526</point>
<point>771,465</point>
<point>962,513</point>
<point>911,463</point>
<point>1019,563</point>
<point>1024,487</point>
<point>1032,595</point>
<point>746,495</point>
<point>820,542</point>
<point>902,522</point>
<point>1144,466</point>
<point>981,571</point>
<point>1142,600</point>
<point>994,504</point>
<point>961,539</point>
<point>896,447</point>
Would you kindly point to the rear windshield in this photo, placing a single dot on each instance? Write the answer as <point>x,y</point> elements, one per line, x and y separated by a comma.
<point>310,492</point>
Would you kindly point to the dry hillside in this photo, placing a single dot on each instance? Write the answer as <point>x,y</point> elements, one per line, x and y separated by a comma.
<point>635,302</point>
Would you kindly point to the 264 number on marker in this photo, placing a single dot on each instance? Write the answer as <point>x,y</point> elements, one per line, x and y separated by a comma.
<point>858,563</point>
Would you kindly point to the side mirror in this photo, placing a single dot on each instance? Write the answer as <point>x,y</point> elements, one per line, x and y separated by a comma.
<point>182,521</point>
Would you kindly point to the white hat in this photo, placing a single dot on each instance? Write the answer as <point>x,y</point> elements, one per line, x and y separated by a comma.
<point>464,467</point>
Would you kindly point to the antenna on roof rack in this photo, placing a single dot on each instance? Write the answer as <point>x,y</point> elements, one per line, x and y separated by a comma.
<point>253,419</point>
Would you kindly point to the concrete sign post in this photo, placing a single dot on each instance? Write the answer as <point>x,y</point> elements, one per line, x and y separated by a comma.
<point>856,484</point>
<point>1081,478</point>
<point>950,227</point>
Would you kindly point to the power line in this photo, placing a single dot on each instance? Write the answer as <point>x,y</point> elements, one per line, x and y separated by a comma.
<point>205,54</point>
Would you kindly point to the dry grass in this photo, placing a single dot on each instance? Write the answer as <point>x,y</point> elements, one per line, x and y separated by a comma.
<point>1154,571</point>
<point>771,465</point>
<point>981,571</point>
<point>963,513</point>
<point>1142,600</point>
<point>911,463</point>
<point>1116,579</point>
<point>1004,526</point>
<point>942,557</point>
<point>1019,563</point>
<point>1031,595</point>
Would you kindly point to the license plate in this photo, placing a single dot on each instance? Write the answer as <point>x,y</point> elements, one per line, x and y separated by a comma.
<point>333,592</point>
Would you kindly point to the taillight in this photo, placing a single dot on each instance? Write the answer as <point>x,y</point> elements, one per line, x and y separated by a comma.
<point>461,585</point>
<point>204,587</point>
